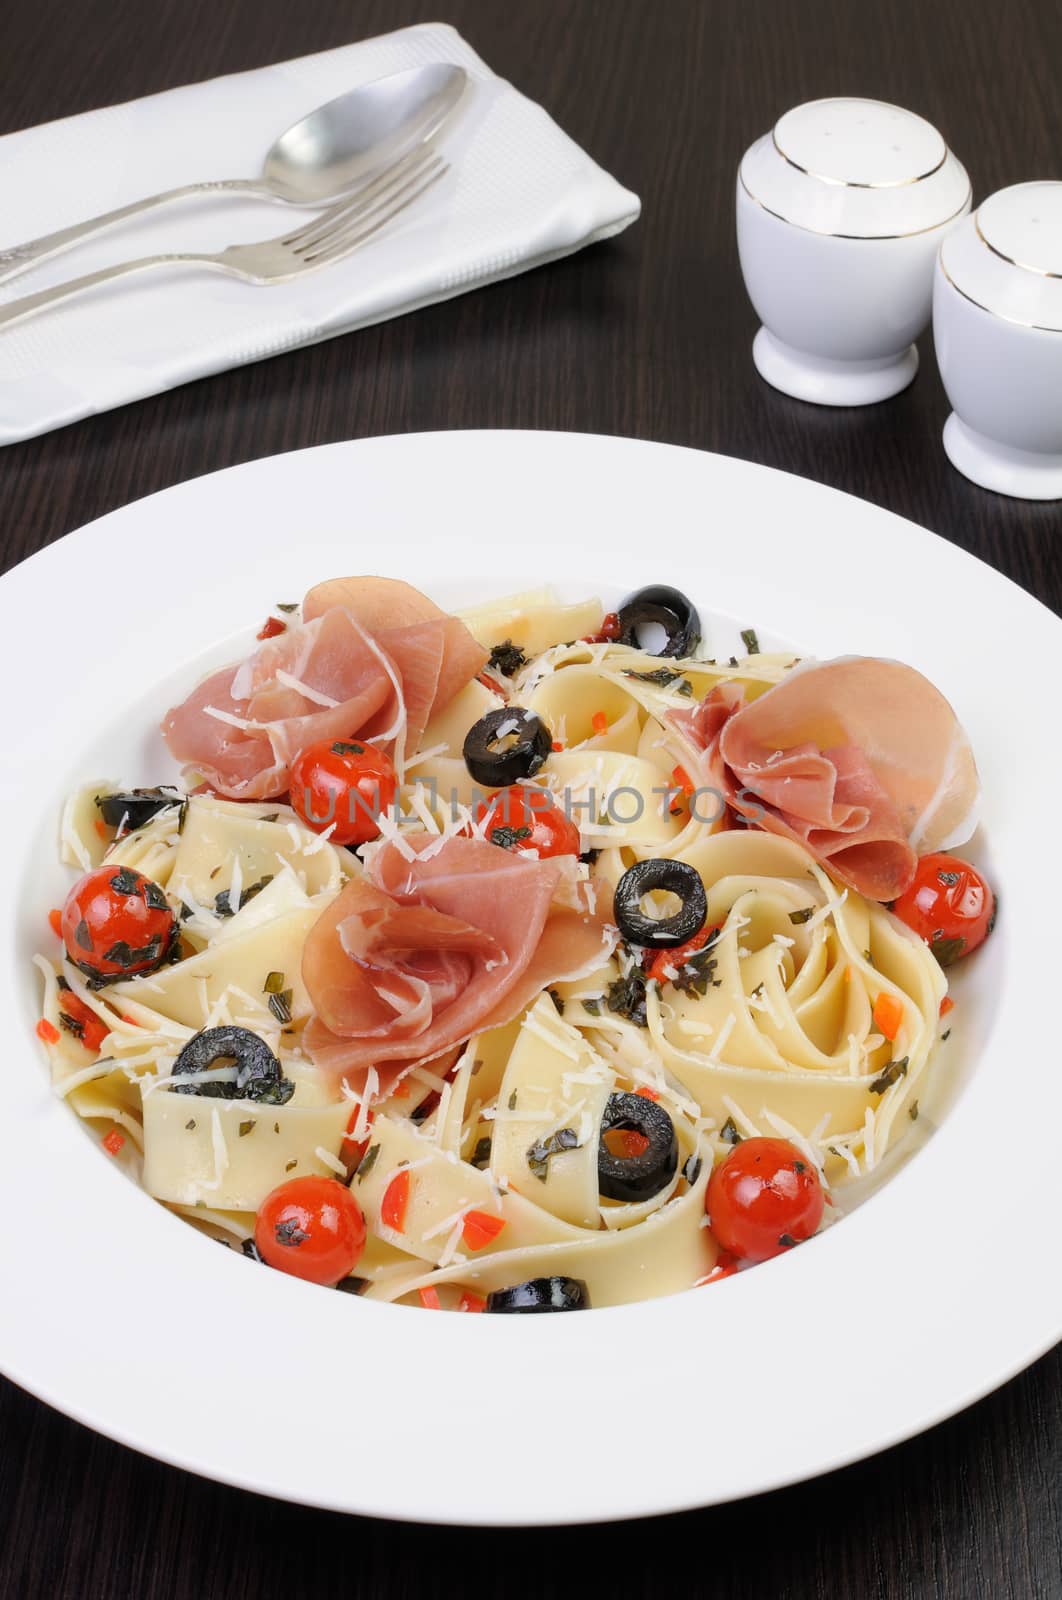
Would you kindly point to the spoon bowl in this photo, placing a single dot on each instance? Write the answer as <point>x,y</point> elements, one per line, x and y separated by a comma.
<point>326,153</point>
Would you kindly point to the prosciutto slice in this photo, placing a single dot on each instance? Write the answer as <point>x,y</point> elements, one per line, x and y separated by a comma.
<point>406,965</point>
<point>371,662</point>
<point>382,604</point>
<point>861,760</point>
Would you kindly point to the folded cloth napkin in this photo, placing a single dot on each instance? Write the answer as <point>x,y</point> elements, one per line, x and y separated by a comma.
<point>520,193</point>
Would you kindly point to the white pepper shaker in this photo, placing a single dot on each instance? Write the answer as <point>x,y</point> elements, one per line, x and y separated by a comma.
<point>841,210</point>
<point>997,324</point>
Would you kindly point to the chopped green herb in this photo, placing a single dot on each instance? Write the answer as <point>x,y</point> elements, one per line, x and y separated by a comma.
<point>804,915</point>
<point>593,1006</point>
<point>289,1233</point>
<point>664,678</point>
<point>280,1005</point>
<point>626,997</point>
<point>291,1165</point>
<point>343,747</point>
<point>72,1025</point>
<point>477,1066</point>
<point>154,897</point>
<point>557,1001</point>
<point>890,1074</point>
<point>692,1170</point>
<point>945,1035</point>
<point>786,1240</point>
<point>247,1127</point>
<point>368,1161</point>
<point>185,911</point>
<point>512,1101</point>
<point>506,838</point>
<point>125,881</point>
<point>351,1285</point>
<point>540,1152</point>
<point>729,1132</point>
<point>189,1126</point>
<point>82,937</point>
<point>121,954</point>
<point>274,983</point>
<point>800,1166</point>
<point>698,970</point>
<point>947,950</point>
<point>272,817</point>
<point>287,605</point>
<point>750,641</point>
<point>912,1111</point>
<point>481,1154</point>
<point>948,879</point>
<point>506,658</point>
<point>276,1127</point>
<point>223,902</point>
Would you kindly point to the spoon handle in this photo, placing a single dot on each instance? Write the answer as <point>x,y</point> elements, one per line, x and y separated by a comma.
<point>23,256</point>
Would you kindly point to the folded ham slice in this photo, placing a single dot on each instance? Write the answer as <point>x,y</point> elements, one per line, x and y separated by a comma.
<point>335,676</point>
<point>403,967</point>
<point>860,760</point>
<point>381,604</point>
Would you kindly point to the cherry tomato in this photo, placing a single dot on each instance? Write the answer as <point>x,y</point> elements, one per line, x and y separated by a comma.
<point>660,963</point>
<point>949,905</point>
<point>312,1228</point>
<point>764,1198</point>
<point>527,818</point>
<point>117,923</point>
<point>344,782</point>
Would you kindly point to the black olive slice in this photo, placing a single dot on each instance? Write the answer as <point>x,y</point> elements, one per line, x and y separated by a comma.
<point>660,933</point>
<point>532,743</point>
<point>135,807</point>
<point>636,1177</point>
<point>675,613</point>
<point>258,1074</point>
<point>541,1294</point>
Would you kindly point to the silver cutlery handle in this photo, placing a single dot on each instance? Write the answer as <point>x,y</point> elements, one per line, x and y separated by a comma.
<point>30,304</point>
<point>23,256</point>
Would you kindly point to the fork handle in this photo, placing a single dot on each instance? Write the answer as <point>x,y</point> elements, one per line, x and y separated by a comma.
<point>23,256</point>
<point>30,304</point>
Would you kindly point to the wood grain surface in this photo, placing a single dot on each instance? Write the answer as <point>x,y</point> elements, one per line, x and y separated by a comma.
<point>648,335</point>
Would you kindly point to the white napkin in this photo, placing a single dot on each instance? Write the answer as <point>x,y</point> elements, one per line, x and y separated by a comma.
<point>520,193</point>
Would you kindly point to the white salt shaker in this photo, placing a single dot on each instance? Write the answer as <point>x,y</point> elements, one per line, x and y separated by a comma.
<point>997,324</point>
<point>841,209</point>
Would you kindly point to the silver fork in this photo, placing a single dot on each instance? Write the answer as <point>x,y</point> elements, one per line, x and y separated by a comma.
<point>331,236</point>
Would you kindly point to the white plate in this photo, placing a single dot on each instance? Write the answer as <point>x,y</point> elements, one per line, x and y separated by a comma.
<point>939,1288</point>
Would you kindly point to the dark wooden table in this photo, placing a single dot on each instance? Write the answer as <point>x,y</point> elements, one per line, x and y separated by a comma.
<point>648,335</point>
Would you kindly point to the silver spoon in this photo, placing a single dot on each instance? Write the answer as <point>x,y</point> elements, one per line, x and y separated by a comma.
<point>316,160</point>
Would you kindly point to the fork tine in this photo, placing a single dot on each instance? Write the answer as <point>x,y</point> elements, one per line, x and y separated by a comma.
<point>354,229</point>
<point>347,243</point>
<point>354,203</point>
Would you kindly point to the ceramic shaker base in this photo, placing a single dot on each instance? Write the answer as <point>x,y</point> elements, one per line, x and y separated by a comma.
<point>831,383</point>
<point>1021,473</point>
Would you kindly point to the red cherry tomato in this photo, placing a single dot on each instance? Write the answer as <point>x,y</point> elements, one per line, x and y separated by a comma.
<point>312,1228</point>
<point>764,1198</point>
<point>662,962</point>
<point>117,923</point>
<point>949,905</point>
<point>345,782</point>
<point>523,817</point>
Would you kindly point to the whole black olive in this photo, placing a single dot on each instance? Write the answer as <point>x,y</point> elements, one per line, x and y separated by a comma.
<point>258,1074</point>
<point>541,1294</point>
<point>660,933</point>
<point>132,808</point>
<point>637,1177</point>
<point>675,613</point>
<point>497,768</point>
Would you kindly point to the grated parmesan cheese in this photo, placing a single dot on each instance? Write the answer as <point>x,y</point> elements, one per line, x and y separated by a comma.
<point>289,681</point>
